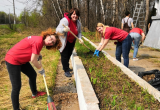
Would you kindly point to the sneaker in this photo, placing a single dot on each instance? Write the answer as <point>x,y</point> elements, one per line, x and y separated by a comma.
<point>135,59</point>
<point>38,94</point>
<point>68,74</point>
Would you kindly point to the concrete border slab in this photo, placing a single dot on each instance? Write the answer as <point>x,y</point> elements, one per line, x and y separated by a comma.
<point>86,95</point>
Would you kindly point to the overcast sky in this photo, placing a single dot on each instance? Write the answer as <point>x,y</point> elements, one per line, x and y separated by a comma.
<point>6,5</point>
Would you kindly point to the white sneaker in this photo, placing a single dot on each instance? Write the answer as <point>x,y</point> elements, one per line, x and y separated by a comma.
<point>135,59</point>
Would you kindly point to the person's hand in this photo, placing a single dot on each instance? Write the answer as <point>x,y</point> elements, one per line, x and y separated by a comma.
<point>98,52</point>
<point>41,71</point>
<point>115,43</point>
<point>39,58</point>
<point>95,52</point>
<point>66,29</point>
<point>81,41</point>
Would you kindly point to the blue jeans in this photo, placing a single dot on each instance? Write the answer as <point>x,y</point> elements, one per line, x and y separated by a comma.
<point>124,49</point>
<point>136,37</point>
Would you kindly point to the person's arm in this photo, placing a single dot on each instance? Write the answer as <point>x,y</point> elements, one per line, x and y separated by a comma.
<point>34,61</point>
<point>60,27</point>
<point>122,26</point>
<point>79,29</point>
<point>143,37</point>
<point>100,44</point>
<point>132,25</point>
<point>104,44</point>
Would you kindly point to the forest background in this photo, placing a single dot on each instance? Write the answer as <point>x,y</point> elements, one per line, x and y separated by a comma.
<point>109,12</point>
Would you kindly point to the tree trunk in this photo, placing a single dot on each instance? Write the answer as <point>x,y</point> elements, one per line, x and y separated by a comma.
<point>59,8</point>
<point>146,17</point>
<point>55,9</point>
<point>102,11</point>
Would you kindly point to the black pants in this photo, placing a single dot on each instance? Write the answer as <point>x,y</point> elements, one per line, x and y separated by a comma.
<point>66,54</point>
<point>15,77</point>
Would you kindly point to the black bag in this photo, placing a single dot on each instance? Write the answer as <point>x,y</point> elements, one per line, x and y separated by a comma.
<point>154,82</point>
<point>125,26</point>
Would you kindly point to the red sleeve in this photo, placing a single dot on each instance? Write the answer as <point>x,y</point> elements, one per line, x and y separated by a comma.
<point>36,48</point>
<point>141,32</point>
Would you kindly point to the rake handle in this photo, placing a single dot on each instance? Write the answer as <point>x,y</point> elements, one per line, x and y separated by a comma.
<point>45,85</point>
<point>45,81</point>
<point>75,36</point>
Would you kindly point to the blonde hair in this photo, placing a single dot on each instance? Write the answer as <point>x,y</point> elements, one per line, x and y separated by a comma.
<point>99,35</point>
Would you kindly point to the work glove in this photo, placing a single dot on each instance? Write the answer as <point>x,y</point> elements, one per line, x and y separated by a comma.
<point>81,41</point>
<point>39,58</point>
<point>41,71</point>
<point>98,52</point>
<point>95,52</point>
<point>66,29</point>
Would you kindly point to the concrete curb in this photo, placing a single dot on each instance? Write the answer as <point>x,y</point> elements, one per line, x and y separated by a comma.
<point>86,95</point>
<point>151,90</point>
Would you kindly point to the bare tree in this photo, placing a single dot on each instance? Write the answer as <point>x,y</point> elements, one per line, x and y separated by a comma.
<point>147,14</point>
<point>102,11</point>
<point>55,9</point>
<point>59,8</point>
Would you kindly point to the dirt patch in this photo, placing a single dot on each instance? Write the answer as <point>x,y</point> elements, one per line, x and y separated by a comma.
<point>65,94</point>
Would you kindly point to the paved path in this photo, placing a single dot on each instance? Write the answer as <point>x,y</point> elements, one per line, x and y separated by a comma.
<point>65,93</point>
<point>148,59</point>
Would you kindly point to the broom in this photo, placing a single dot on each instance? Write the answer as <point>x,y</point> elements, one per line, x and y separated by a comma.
<point>50,105</point>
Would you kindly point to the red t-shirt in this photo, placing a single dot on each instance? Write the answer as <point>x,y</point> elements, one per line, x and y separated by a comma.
<point>113,33</point>
<point>22,51</point>
<point>137,30</point>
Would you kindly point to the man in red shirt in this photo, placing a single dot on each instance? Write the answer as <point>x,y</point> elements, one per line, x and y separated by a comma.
<point>136,34</point>
<point>18,58</point>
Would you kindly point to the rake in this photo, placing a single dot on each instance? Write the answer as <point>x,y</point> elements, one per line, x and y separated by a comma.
<point>78,38</point>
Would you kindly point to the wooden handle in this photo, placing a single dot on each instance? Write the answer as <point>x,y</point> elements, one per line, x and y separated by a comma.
<point>71,32</point>
<point>75,36</point>
<point>45,85</point>
<point>45,81</point>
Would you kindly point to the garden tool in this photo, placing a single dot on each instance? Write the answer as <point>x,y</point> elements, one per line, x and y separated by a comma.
<point>78,39</point>
<point>50,103</point>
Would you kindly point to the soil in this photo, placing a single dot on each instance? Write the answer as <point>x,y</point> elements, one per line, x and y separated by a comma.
<point>65,94</point>
<point>113,88</point>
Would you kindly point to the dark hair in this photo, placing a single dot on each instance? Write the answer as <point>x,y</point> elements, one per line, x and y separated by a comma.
<point>71,12</point>
<point>127,13</point>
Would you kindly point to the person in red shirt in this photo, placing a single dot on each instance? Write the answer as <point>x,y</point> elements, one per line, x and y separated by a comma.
<point>72,23</point>
<point>136,34</point>
<point>18,58</point>
<point>111,33</point>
